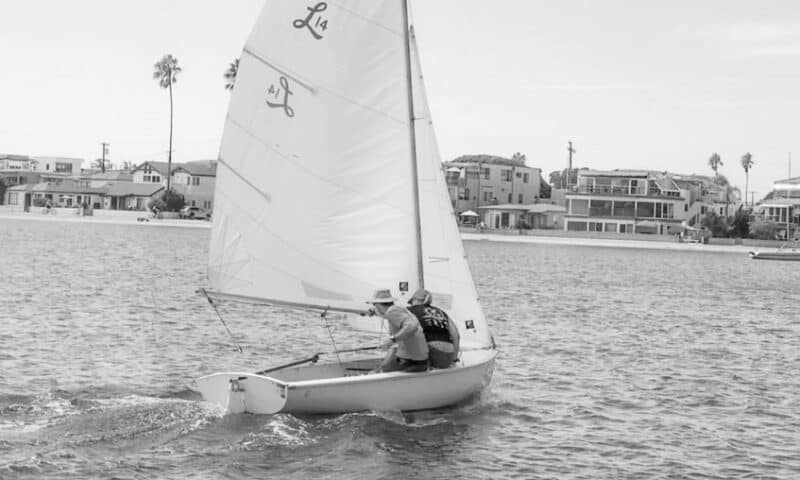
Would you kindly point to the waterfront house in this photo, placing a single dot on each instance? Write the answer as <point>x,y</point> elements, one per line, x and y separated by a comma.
<point>484,180</point>
<point>196,181</point>
<point>536,215</point>
<point>781,205</point>
<point>625,201</point>
<point>58,193</point>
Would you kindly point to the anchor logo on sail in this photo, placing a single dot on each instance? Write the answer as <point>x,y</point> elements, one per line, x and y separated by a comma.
<point>274,92</point>
<point>313,20</point>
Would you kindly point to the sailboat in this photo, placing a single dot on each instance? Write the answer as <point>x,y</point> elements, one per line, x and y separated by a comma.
<point>329,187</point>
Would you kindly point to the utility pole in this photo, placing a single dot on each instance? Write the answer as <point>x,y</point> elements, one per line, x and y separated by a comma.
<point>105,152</point>
<point>569,169</point>
<point>790,165</point>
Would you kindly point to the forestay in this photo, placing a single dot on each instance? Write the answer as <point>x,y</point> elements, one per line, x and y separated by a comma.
<point>445,267</point>
<point>314,201</point>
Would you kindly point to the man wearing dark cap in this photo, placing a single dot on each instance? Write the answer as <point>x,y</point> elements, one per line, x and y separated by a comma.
<point>440,332</point>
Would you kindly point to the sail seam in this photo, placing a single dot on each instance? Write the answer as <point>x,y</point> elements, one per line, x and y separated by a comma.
<point>291,246</point>
<point>311,173</point>
<point>315,90</point>
<point>281,70</point>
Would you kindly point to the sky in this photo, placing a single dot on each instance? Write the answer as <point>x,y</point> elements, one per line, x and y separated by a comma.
<point>640,84</point>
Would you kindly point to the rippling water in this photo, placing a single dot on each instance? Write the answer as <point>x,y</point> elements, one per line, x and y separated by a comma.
<point>615,363</point>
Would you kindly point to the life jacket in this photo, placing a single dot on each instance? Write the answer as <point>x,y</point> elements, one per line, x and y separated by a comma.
<point>434,322</point>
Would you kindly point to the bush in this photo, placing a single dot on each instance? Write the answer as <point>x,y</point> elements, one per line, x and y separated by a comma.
<point>766,230</point>
<point>169,201</point>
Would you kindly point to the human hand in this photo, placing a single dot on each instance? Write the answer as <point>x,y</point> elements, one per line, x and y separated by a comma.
<point>386,344</point>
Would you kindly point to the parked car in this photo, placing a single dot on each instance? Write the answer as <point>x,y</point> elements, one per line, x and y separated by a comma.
<point>194,213</point>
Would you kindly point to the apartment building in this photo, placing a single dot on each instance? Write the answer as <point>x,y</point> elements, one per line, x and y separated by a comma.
<point>476,181</point>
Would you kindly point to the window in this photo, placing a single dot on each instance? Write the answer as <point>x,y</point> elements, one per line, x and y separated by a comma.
<point>610,227</point>
<point>505,175</point>
<point>63,167</point>
<point>645,209</point>
<point>195,180</point>
<point>576,226</point>
<point>188,180</point>
<point>519,198</point>
<point>193,204</point>
<point>487,196</point>
<point>595,227</point>
<point>525,178</point>
<point>579,207</point>
<point>156,179</point>
<point>12,198</point>
<point>146,178</point>
<point>486,173</point>
<point>624,209</point>
<point>600,208</point>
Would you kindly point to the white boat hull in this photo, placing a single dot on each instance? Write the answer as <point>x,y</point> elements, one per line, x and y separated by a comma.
<point>339,390</point>
<point>789,255</point>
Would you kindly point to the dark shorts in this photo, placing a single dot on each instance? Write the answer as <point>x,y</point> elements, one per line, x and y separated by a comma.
<point>441,354</point>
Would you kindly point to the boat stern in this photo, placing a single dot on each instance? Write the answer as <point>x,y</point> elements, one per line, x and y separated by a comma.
<point>243,392</point>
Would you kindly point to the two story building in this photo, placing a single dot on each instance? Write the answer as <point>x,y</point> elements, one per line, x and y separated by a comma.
<point>782,204</point>
<point>482,180</point>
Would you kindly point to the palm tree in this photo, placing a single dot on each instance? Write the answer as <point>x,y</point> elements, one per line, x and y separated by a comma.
<point>715,162</point>
<point>166,71</point>
<point>747,164</point>
<point>230,74</point>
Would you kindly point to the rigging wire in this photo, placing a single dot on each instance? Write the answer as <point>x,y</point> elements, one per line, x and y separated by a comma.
<point>329,328</point>
<point>230,334</point>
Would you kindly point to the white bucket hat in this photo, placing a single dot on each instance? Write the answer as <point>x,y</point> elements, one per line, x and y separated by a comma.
<point>382,296</point>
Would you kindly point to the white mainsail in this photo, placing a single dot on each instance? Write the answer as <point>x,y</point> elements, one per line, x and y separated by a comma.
<point>314,195</point>
<point>447,274</point>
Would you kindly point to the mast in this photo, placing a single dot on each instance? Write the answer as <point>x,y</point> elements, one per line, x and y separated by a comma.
<point>413,139</point>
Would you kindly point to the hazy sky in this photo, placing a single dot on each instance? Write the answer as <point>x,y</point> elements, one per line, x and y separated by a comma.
<point>634,84</point>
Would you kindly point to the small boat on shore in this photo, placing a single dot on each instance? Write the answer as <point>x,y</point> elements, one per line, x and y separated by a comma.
<point>783,253</point>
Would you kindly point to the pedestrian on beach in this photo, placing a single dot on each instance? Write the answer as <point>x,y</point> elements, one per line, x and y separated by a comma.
<point>407,348</point>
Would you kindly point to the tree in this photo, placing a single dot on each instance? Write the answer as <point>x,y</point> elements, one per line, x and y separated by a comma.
<point>230,74</point>
<point>127,165</point>
<point>519,158</point>
<point>101,164</point>
<point>166,71</point>
<point>741,223</point>
<point>169,201</point>
<point>715,162</point>
<point>544,189</point>
<point>747,164</point>
<point>717,224</point>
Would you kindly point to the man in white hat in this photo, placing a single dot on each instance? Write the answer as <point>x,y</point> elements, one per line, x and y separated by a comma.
<point>408,350</point>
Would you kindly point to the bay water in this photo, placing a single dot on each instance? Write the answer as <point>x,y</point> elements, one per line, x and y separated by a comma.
<point>614,363</point>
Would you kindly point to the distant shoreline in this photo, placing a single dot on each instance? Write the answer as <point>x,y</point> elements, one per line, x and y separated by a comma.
<point>127,220</point>
<point>490,236</point>
<point>610,243</point>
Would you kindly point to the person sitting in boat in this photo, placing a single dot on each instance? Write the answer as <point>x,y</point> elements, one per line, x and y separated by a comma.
<point>408,350</point>
<point>440,332</point>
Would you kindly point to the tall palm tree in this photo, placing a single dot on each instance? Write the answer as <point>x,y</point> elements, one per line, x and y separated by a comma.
<point>747,163</point>
<point>715,162</point>
<point>230,74</point>
<point>166,71</point>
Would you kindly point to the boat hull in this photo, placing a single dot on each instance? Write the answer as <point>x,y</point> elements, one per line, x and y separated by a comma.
<point>786,256</point>
<point>339,391</point>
